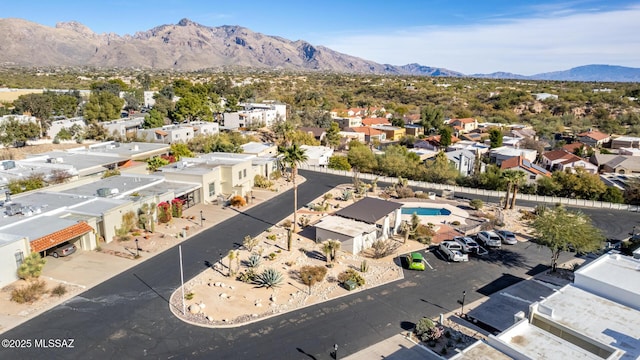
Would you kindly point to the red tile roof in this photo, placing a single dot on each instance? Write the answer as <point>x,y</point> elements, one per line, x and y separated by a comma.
<point>160,132</point>
<point>375,121</point>
<point>58,237</point>
<point>463,120</point>
<point>367,130</point>
<point>435,139</point>
<point>594,134</point>
<point>574,146</point>
<point>521,162</point>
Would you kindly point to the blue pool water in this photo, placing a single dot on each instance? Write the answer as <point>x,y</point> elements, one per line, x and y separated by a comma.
<point>425,211</point>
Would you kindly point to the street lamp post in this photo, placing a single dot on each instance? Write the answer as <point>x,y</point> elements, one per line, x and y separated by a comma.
<point>464,294</point>
<point>221,266</point>
<point>335,351</point>
<point>137,248</point>
<point>309,278</point>
<point>201,219</point>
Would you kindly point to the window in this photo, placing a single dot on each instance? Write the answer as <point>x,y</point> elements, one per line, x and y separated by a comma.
<point>239,174</point>
<point>19,258</point>
<point>244,173</point>
<point>212,189</point>
<point>532,177</point>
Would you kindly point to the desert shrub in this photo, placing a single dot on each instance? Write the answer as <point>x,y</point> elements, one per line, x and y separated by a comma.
<point>29,293</point>
<point>382,248</point>
<point>424,234</point>
<point>455,223</point>
<point>316,273</point>
<point>304,221</point>
<point>404,192</point>
<point>426,330</point>
<point>271,237</point>
<point>286,224</point>
<point>527,215</point>
<point>352,275</point>
<point>262,182</point>
<point>250,243</point>
<point>476,204</point>
<point>110,173</point>
<point>238,201</point>
<point>248,276</point>
<point>275,175</point>
<point>59,290</point>
<point>364,266</point>
<point>254,261</point>
<point>269,278</point>
<point>421,195</point>
<point>31,266</point>
<point>189,295</point>
<point>272,256</point>
<point>347,195</point>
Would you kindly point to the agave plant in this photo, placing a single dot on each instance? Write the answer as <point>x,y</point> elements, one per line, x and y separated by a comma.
<point>269,278</point>
<point>254,261</point>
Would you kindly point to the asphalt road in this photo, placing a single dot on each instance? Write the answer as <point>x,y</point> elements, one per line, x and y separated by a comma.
<point>127,317</point>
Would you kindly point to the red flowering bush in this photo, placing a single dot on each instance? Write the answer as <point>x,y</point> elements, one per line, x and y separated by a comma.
<point>164,212</point>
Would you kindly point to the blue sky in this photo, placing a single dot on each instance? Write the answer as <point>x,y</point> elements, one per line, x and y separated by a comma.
<point>480,36</point>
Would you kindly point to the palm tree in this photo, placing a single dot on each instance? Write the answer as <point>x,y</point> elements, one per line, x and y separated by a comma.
<point>293,157</point>
<point>509,177</point>
<point>519,178</point>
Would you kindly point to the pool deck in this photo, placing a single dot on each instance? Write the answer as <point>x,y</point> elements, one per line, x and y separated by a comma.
<point>457,214</point>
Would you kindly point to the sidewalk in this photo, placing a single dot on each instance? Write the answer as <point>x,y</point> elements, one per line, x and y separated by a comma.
<point>86,269</point>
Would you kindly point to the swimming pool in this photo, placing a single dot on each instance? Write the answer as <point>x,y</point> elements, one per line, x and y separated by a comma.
<point>425,211</point>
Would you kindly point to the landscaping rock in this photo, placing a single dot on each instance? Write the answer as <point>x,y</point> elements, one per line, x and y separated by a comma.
<point>202,306</point>
<point>224,296</point>
<point>194,309</point>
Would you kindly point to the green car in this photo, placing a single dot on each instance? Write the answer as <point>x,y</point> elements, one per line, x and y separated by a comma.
<point>416,261</point>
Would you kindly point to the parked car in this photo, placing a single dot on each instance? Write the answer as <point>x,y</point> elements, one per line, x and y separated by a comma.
<point>468,244</point>
<point>64,249</point>
<point>415,261</point>
<point>452,250</point>
<point>489,238</point>
<point>507,237</point>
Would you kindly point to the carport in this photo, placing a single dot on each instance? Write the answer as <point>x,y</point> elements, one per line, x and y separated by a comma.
<point>77,233</point>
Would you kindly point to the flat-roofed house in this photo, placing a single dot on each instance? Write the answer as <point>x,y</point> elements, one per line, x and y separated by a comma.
<point>358,225</point>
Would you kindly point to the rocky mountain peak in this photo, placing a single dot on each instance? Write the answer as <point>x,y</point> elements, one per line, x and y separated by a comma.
<point>76,27</point>
<point>187,22</point>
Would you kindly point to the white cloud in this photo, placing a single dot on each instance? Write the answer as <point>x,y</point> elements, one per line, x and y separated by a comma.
<point>523,46</point>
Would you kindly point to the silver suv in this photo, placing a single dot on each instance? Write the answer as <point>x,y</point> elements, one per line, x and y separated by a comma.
<point>489,239</point>
<point>467,243</point>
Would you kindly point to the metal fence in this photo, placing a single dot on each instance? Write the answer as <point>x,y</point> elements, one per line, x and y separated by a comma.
<point>479,193</point>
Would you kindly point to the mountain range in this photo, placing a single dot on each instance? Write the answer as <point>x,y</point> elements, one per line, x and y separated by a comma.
<point>189,46</point>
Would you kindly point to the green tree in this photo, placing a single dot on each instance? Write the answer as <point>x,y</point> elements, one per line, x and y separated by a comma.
<point>180,150</point>
<point>64,104</point>
<point>431,117</point>
<point>153,119</point>
<point>293,157</point>
<point>561,230</point>
<point>103,106</point>
<point>495,137</point>
<point>333,135</point>
<point>512,179</point>
<point>440,170</point>
<point>191,107</point>
<point>156,162</point>
<point>16,132</point>
<point>613,195</point>
<point>31,267</point>
<point>361,158</point>
<point>38,105</point>
<point>96,131</point>
<point>445,136</point>
<point>338,162</point>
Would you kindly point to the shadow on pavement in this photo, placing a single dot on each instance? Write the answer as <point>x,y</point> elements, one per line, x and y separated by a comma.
<point>502,282</point>
<point>504,257</point>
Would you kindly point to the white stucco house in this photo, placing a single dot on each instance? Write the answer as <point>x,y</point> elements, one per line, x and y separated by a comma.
<point>357,226</point>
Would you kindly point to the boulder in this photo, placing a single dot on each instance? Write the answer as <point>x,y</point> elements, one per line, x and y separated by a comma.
<point>194,309</point>
<point>224,296</point>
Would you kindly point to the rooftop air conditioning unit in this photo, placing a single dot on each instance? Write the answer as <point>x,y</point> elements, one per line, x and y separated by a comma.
<point>59,160</point>
<point>13,209</point>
